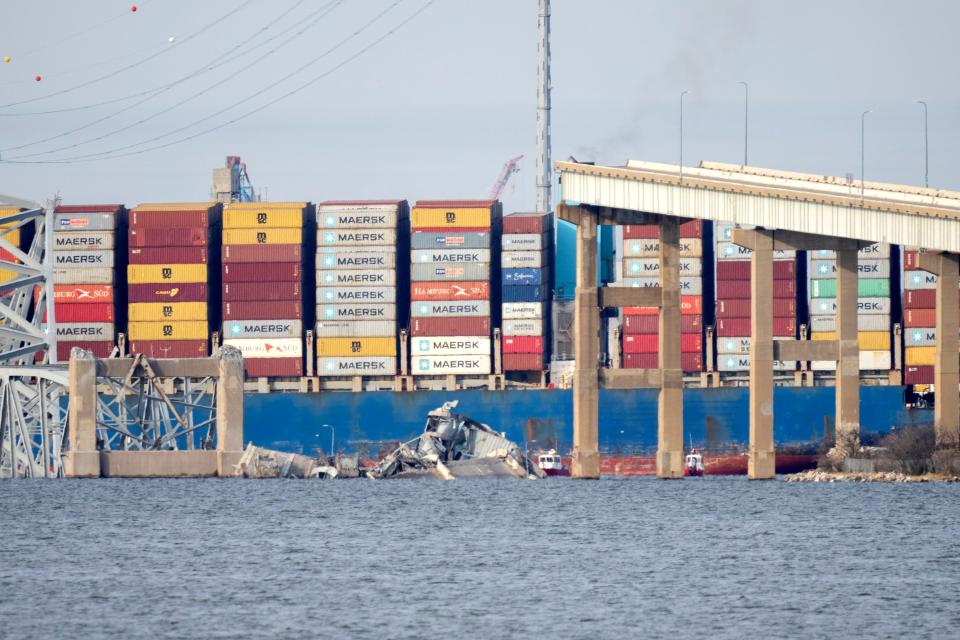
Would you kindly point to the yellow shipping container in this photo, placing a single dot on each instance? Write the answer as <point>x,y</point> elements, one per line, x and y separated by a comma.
<point>173,206</point>
<point>868,340</point>
<point>823,335</point>
<point>6,275</point>
<point>263,218</point>
<point>166,311</point>
<point>359,347</point>
<point>168,330</point>
<point>919,356</point>
<point>262,236</point>
<point>453,218</point>
<point>254,206</point>
<point>163,273</point>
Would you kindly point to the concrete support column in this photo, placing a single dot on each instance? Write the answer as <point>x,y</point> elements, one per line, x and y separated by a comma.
<point>946,376</point>
<point>848,359</point>
<point>670,410</point>
<point>586,350</point>
<point>229,411</point>
<point>83,459</point>
<point>761,464</point>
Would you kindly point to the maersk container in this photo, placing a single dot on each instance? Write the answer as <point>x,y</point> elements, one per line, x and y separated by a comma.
<point>270,310</point>
<point>450,240</point>
<point>525,241</point>
<point>639,267</point>
<point>450,256</point>
<point>538,223</point>
<point>524,327</point>
<point>162,237</point>
<point>920,337</point>
<point>84,221</point>
<point>357,347</point>
<point>83,294</point>
<point>450,291</point>
<point>369,366</point>
<point>166,273</point>
<point>85,331</point>
<point>163,219</point>
<point>689,286</point>
<point>522,293</point>
<point>385,218</point>
<point>525,276</point>
<point>357,237</point>
<point>340,295</point>
<point>441,273</point>
<point>262,328</point>
<point>267,347</point>
<point>267,216</point>
<point>166,311</point>
<point>355,328</point>
<point>733,346</point>
<point>522,344</point>
<point>358,260</point>
<point>262,291</point>
<point>261,253</point>
<point>356,311</point>
<point>919,280</point>
<point>877,251</point>
<point>873,268</point>
<point>357,278</point>
<point>461,364</point>
<point>450,309</point>
<point>166,255</point>
<point>84,240</point>
<point>83,259</point>
<point>868,361</point>
<point>477,326</point>
<point>689,248</point>
<point>193,292</point>
<point>449,345</point>
<point>523,259</point>
<point>167,348</point>
<point>732,363</point>
<point>865,322</point>
<point>167,331</point>
<point>520,310</point>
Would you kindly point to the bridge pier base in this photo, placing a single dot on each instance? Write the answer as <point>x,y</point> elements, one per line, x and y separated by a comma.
<point>83,458</point>
<point>670,402</point>
<point>586,349</point>
<point>229,412</point>
<point>761,464</point>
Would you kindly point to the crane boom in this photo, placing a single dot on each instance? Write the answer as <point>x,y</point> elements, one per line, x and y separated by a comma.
<point>510,167</point>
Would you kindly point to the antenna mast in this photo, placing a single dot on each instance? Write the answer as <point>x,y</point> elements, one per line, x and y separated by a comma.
<point>544,171</point>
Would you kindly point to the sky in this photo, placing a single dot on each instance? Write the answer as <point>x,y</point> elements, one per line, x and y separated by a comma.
<point>432,107</point>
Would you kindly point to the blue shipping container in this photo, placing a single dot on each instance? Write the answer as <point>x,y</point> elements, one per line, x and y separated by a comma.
<point>525,276</point>
<point>524,293</point>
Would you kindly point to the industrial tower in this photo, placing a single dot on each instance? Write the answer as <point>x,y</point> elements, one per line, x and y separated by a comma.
<point>544,172</point>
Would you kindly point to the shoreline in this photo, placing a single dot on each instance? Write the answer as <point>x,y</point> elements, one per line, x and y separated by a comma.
<point>818,475</point>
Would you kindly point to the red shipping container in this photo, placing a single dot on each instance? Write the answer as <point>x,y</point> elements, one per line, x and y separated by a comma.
<point>168,255</point>
<point>691,361</point>
<point>192,218</point>
<point>261,253</point>
<point>734,289</point>
<point>740,327</point>
<point>272,310</point>
<point>262,291</point>
<point>692,229</point>
<point>88,208</point>
<point>187,292</point>
<point>522,344</point>
<point>691,343</point>
<point>265,272</point>
<point>83,293</point>
<point>911,262</point>
<point>785,288</point>
<point>641,361</point>
<point>449,230</point>
<point>784,327</point>
<point>99,312</point>
<point>733,308</point>
<point>920,318</point>
<point>449,291</point>
<point>920,299</point>
<point>740,269</point>
<point>477,326</point>
<point>171,348</point>
<point>689,305</point>
<point>523,362</point>
<point>99,348</point>
<point>199,237</point>
<point>918,374</point>
<point>273,367</point>
<point>526,223</point>
<point>784,308</point>
<point>651,324</point>
<point>642,343</point>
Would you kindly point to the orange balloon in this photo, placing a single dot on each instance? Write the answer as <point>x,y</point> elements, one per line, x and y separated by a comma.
<point>38,78</point>
<point>133,8</point>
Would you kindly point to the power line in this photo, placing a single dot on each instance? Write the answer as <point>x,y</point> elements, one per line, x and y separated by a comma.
<point>134,64</point>
<point>111,154</point>
<point>313,18</point>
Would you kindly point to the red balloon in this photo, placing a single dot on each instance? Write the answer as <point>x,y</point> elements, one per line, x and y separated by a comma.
<point>38,78</point>
<point>133,8</point>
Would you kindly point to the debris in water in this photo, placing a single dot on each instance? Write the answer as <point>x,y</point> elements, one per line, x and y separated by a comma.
<point>266,463</point>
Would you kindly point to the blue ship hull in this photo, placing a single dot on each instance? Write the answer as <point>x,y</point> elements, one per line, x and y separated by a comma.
<point>713,418</point>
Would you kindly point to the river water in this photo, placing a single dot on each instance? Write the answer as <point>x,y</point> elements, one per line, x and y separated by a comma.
<point>630,558</point>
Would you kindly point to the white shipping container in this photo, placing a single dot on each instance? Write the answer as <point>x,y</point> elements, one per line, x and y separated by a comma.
<point>356,311</point>
<point>83,259</point>
<point>84,222</point>
<point>730,251</point>
<point>83,276</point>
<point>84,240</point>
<point>449,273</point>
<point>360,217</point>
<point>733,362</point>
<point>339,259</point>
<point>689,286</point>
<point>525,327</point>
<point>823,269</point>
<point>869,361</point>
<point>649,248</point>
<point>873,268</point>
<point>451,239</point>
<point>462,364</point>
<point>640,267</point>
<point>357,237</point>
<point>449,346</point>
<point>450,309</point>
<point>736,346</point>
<point>523,259</point>
<point>865,306</point>
<point>525,241</point>
<point>267,347</point>
<point>878,251</point>
<point>865,322</point>
<point>364,366</point>
<point>378,295</point>
<point>920,337</point>
<point>83,331</point>
<point>357,278</point>
<point>262,328</point>
<point>919,280</point>
<point>724,230</point>
<point>450,256</point>
<point>521,310</point>
<point>356,328</point>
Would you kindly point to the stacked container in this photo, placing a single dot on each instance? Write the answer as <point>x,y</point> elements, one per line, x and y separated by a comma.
<point>919,321</point>
<point>641,268</point>
<point>262,296</point>
<point>873,305</point>
<point>525,290</point>
<point>734,301</point>
<point>13,237</point>
<point>358,243</point>
<point>453,260</point>
<point>168,293</point>
<point>84,257</point>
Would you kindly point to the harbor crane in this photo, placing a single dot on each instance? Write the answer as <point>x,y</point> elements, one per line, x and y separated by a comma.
<point>510,167</point>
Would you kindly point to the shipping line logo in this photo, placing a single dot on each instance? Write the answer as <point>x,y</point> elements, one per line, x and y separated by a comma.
<point>172,293</point>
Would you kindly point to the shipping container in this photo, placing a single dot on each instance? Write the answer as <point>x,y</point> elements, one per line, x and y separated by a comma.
<point>691,361</point>
<point>262,272</point>
<point>357,347</point>
<point>184,219</point>
<point>641,361</point>
<point>88,312</point>
<point>521,344</point>
<point>462,364</point>
<point>444,273</point>
<point>238,254</point>
<point>175,206</point>
<point>193,292</point>
<point>99,348</point>
<point>920,337</point>
<point>527,223</point>
<point>84,221</point>
<point>163,237</point>
<point>651,324</point>
<point>262,291</point>
<point>355,328</point>
<point>356,311</point>
<point>524,327</point>
<point>521,293</point>
<point>873,268</point>
<point>83,259</point>
<point>740,269</point>
<point>449,256</point>
<point>450,291</point>
<point>450,309</point>
<point>918,375</point>
<point>268,216</point>
<point>273,367</point>
<point>920,318</point>
<point>920,356</point>
<point>452,327</point>
<point>262,328</point>
<point>455,345</point>
<point>864,323</point>
<point>168,348</point>
<point>258,310</point>
<point>525,241</point>
<point>338,259</point>
<point>371,366</point>
<point>167,255</point>
<point>738,327</point>
<point>166,273</point>
<point>634,267</point>
<point>347,295</point>
<point>357,278</point>
<point>262,236</point>
<point>83,240</point>
<point>524,259</point>
<point>523,361</point>
<point>689,305</point>
<point>166,311</point>
<point>920,299</point>
<point>692,286</point>
<point>83,294</point>
<point>733,363</point>
<point>453,218</point>
<point>866,288</point>
<point>83,276</point>
<point>85,331</point>
<point>345,238</point>
<point>867,340</point>
<point>357,219</point>
<point>525,277</point>
<point>919,280</point>
<point>267,347</point>
<point>733,346</point>
<point>689,248</point>
<point>518,310</point>
<point>167,331</point>
<point>450,240</point>
<point>641,343</point>
<point>692,229</point>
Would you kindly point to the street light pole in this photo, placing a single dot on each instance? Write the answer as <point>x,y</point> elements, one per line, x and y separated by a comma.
<point>746,117</point>
<point>863,119</point>
<point>682,93</point>
<point>926,146</point>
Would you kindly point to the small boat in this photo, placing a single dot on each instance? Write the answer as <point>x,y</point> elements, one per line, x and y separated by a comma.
<point>694,464</point>
<point>552,464</point>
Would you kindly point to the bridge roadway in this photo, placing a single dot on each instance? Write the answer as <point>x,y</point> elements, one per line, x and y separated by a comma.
<point>789,211</point>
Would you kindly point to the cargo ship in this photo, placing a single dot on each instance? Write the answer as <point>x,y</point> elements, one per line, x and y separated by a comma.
<point>358,316</point>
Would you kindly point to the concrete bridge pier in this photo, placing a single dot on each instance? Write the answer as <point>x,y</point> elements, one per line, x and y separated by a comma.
<point>761,464</point>
<point>83,458</point>
<point>586,349</point>
<point>848,352</point>
<point>229,412</point>
<point>946,373</point>
<point>670,401</point>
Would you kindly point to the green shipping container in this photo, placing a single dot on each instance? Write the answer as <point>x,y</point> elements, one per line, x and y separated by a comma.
<point>866,288</point>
